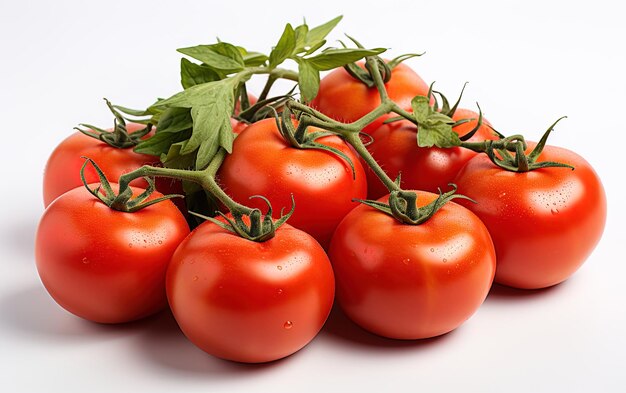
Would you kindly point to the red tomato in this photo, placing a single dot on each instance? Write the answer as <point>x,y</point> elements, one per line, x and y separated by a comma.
<point>347,99</point>
<point>412,281</point>
<point>263,163</point>
<point>394,146</point>
<point>104,265</point>
<point>62,171</point>
<point>246,301</point>
<point>238,125</point>
<point>544,223</point>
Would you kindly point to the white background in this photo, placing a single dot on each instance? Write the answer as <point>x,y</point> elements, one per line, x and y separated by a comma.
<point>527,62</point>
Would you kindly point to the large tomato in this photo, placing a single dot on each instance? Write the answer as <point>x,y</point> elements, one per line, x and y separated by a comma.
<point>264,163</point>
<point>105,265</point>
<point>544,223</point>
<point>347,99</point>
<point>412,281</point>
<point>394,146</point>
<point>62,171</point>
<point>246,301</point>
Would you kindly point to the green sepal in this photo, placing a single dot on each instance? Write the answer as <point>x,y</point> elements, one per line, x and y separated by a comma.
<point>402,205</point>
<point>124,200</point>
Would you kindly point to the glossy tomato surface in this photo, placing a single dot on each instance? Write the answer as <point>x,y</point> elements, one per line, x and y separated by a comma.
<point>544,223</point>
<point>412,281</point>
<point>263,163</point>
<point>347,99</point>
<point>246,301</point>
<point>104,265</point>
<point>394,147</point>
<point>62,171</point>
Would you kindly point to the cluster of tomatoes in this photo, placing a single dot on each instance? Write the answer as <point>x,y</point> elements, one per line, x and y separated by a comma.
<point>257,301</point>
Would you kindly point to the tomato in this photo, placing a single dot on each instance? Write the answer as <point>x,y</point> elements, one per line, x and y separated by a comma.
<point>246,301</point>
<point>62,171</point>
<point>411,281</point>
<point>544,223</point>
<point>264,163</point>
<point>347,99</point>
<point>105,265</point>
<point>238,125</point>
<point>394,147</point>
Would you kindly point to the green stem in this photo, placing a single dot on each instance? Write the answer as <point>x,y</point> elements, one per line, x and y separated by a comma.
<point>371,63</point>
<point>355,141</point>
<point>205,178</point>
<point>268,85</point>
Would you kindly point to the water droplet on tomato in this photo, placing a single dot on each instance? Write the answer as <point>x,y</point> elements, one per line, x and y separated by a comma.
<point>279,267</point>
<point>288,325</point>
<point>195,278</point>
<point>445,260</point>
<point>554,211</point>
<point>130,245</point>
<point>280,291</point>
<point>85,260</point>
<point>432,250</point>
<point>406,261</point>
<point>160,242</point>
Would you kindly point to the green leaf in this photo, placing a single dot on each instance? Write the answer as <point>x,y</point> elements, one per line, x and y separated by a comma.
<point>320,32</point>
<point>309,80</point>
<point>210,106</point>
<point>254,59</point>
<point>285,47</point>
<point>219,57</point>
<point>439,134</point>
<point>196,95</point>
<point>338,57</point>
<point>315,47</point>
<point>160,143</point>
<point>174,158</point>
<point>174,120</point>
<point>192,74</point>
<point>301,33</point>
<point>421,108</point>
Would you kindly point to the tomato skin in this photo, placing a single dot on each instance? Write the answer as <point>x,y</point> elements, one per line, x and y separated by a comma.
<point>544,223</point>
<point>263,163</point>
<point>412,281</point>
<point>347,99</point>
<point>246,301</point>
<point>62,171</point>
<point>394,147</point>
<point>238,126</point>
<point>104,265</point>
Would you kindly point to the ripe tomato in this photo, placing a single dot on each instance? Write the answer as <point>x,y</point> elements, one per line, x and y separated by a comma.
<point>264,163</point>
<point>394,146</point>
<point>238,125</point>
<point>544,223</point>
<point>412,281</point>
<point>246,301</point>
<point>62,171</point>
<point>347,99</point>
<point>105,265</point>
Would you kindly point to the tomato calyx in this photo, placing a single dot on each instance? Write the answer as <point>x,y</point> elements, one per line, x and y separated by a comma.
<point>122,201</point>
<point>383,68</point>
<point>261,227</point>
<point>402,205</point>
<point>119,137</point>
<point>499,152</point>
<point>300,138</point>
<point>262,109</point>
